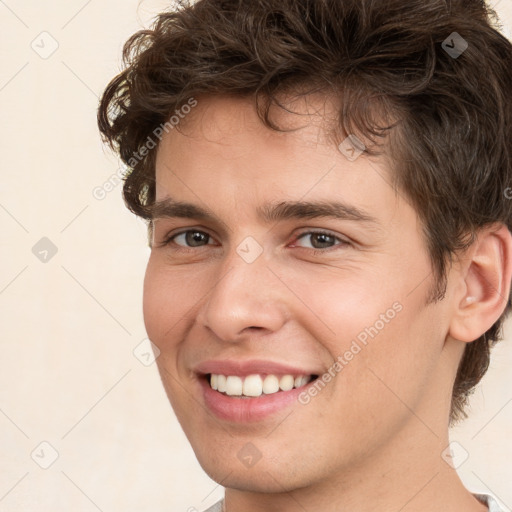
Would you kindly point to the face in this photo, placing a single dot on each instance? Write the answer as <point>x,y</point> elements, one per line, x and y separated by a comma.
<point>266,297</point>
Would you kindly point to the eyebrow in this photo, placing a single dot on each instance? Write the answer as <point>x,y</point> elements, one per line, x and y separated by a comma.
<point>268,213</point>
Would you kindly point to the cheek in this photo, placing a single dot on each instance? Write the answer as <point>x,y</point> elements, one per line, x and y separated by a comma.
<point>392,373</point>
<point>342,304</point>
<point>384,338</point>
<point>165,301</point>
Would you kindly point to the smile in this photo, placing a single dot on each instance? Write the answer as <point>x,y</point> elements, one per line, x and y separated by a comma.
<point>255,385</point>
<point>245,391</point>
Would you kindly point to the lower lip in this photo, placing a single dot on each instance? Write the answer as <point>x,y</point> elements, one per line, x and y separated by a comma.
<point>245,410</point>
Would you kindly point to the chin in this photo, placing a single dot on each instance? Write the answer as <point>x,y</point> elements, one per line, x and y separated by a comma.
<point>258,479</point>
<point>227,467</point>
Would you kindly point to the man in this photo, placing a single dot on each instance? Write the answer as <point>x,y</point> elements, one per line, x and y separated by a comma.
<point>324,183</point>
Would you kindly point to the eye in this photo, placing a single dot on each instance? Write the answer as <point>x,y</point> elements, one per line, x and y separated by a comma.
<point>189,238</point>
<point>319,240</point>
<point>322,240</point>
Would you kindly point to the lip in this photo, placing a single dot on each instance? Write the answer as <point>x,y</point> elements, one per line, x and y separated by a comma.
<point>243,368</point>
<point>254,409</point>
<point>247,410</point>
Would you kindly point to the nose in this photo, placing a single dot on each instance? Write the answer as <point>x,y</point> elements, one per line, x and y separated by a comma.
<point>248,298</point>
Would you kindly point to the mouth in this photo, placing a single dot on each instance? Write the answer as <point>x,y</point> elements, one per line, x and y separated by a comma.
<point>256,385</point>
<point>242,391</point>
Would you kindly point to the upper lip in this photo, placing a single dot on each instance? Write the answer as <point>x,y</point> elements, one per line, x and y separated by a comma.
<point>250,367</point>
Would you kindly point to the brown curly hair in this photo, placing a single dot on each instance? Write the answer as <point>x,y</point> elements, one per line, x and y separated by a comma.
<point>387,59</point>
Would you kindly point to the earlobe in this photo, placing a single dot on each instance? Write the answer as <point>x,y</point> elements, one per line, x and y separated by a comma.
<point>487,274</point>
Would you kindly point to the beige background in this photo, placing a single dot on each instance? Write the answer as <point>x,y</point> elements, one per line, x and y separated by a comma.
<point>69,325</point>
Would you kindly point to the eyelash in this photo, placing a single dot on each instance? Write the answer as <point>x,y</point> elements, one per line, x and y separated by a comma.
<point>170,239</point>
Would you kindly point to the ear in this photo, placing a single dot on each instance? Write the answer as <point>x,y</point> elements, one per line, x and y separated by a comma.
<point>484,284</point>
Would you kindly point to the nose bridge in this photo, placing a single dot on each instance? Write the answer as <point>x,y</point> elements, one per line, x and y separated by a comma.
<point>246,295</point>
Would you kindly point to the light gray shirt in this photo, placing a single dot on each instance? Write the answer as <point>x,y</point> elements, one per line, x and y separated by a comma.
<point>484,498</point>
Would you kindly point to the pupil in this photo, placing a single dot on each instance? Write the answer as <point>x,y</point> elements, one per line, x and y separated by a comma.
<point>195,238</point>
<point>326,239</point>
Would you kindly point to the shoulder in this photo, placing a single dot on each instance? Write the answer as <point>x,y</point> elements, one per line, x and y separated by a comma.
<point>486,500</point>
<point>218,507</point>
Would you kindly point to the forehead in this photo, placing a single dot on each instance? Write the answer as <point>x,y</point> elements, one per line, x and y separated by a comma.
<point>222,148</point>
<point>226,114</point>
<point>221,120</point>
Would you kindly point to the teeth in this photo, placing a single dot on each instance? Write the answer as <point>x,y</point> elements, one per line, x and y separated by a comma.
<point>286,383</point>
<point>221,383</point>
<point>233,386</point>
<point>270,384</point>
<point>255,385</point>
<point>300,381</point>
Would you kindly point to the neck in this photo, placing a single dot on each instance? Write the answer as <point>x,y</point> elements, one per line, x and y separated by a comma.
<point>409,475</point>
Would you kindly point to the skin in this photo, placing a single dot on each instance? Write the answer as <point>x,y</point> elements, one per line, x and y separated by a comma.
<point>372,438</point>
